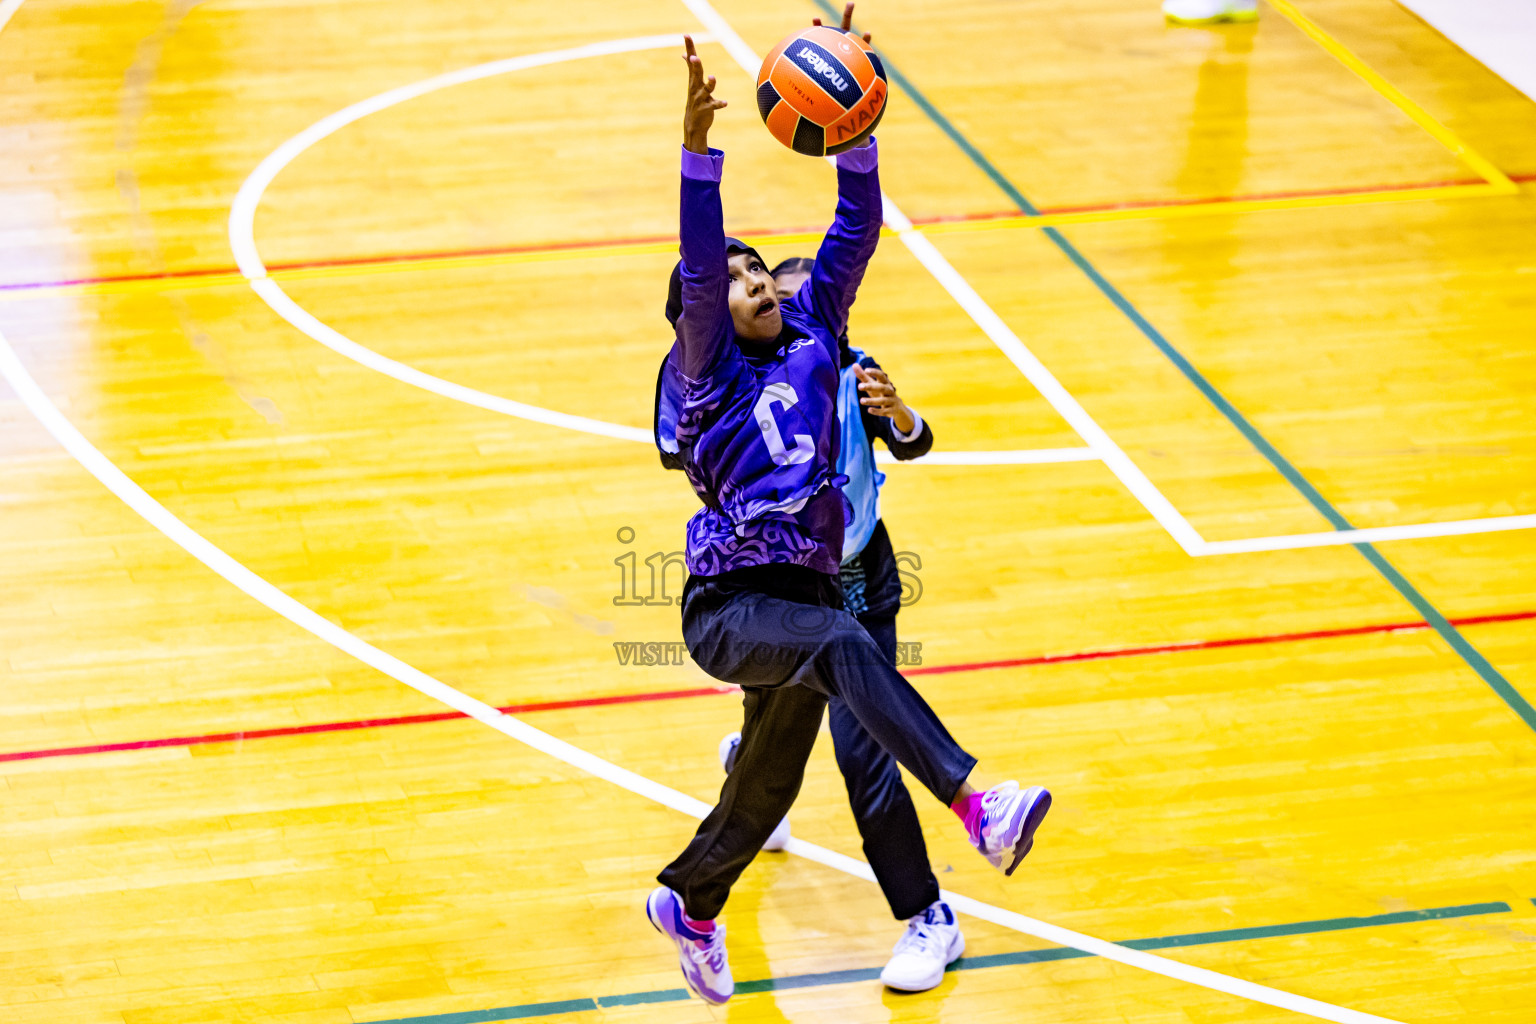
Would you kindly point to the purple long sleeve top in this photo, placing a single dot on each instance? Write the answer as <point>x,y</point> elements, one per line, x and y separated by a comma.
<point>758,434</point>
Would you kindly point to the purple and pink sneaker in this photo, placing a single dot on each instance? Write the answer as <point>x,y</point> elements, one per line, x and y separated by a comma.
<point>1001,822</point>
<point>700,946</point>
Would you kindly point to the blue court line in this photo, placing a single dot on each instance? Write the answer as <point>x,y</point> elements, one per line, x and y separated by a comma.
<point>1431,615</point>
<point>970,963</point>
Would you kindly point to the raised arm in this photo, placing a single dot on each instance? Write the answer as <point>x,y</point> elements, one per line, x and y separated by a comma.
<point>704,328</point>
<point>851,240</point>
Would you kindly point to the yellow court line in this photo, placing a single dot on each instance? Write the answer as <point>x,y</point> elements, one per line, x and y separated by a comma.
<point>1497,184</point>
<point>801,238</point>
<point>1441,134</point>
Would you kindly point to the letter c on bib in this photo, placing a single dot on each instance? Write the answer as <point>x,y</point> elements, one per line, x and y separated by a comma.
<point>805,447</point>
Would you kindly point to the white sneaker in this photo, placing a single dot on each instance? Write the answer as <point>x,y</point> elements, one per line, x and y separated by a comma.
<point>932,942</point>
<point>1207,12</point>
<point>1005,831</point>
<point>780,836</point>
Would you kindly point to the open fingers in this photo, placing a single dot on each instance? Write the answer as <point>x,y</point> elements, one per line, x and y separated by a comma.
<point>848,23</point>
<point>695,65</point>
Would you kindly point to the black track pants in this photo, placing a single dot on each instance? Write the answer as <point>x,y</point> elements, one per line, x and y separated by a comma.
<point>789,657</point>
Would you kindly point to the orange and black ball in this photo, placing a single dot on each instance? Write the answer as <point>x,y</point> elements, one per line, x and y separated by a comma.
<point>821,91</point>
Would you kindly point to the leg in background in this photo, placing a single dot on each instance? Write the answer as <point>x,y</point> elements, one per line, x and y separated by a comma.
<point>887,820</point>
<point>882,806</point>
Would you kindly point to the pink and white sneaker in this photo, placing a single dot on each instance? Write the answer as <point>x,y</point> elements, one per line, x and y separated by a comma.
<point>1003,826</point>
<point>700,953</point>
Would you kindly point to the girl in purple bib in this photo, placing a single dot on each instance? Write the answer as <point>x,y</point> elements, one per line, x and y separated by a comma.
<point>753,382</point>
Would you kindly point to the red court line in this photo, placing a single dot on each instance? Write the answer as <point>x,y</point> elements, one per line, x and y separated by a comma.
<point>362,723</point>
<point>451,254</point>
<point>1208,645</point>
<point>715,691</point>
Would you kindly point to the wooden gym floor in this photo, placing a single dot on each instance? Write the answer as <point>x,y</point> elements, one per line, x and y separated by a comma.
<point>1279,280</point>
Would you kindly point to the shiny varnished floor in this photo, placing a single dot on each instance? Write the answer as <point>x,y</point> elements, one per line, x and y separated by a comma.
<point>1334,767</point>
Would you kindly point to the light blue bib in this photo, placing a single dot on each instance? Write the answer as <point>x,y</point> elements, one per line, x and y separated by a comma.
<point>856,461</point>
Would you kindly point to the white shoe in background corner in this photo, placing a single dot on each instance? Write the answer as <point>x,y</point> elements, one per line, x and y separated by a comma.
<point>1210,12</point>
<point>775,842</point>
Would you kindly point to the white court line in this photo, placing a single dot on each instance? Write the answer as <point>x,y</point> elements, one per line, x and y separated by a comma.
<point>333,339</point>
<point>1101,447</point>
<point>247,257</point>
<point>242,218</point>
<point>205,551</point>
<point>242,214</point>
<point>1129,474</point>
<point>320,331</point>
<point>158,516</point>
<point>1370,534</point>
<point>991,324</point>
<point>1072,411</point>
<point>242,241</point>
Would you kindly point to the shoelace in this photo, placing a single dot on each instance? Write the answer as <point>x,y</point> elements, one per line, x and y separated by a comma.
<point>918,939</point>
<point>710,953</point>
<point>994,796</point>
<point>997,793</point>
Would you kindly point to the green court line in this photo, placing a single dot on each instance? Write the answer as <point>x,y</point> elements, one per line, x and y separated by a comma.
<point>970,963</point>
<point>1431,615</point>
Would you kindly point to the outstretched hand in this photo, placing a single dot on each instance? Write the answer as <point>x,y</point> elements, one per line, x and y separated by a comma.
<point>847,21</point>
<point>699,111</point>
<point>880,398</point>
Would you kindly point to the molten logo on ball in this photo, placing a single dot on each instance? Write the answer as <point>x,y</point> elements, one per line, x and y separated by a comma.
<point>824,69</point>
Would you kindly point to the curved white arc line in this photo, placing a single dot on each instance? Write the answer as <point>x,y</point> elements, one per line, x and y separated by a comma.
<point>199,547</point>
<point>242,242</point>
<point>158,516</point>
<point>333,339</point>
<point>205,551</point>
<point>325,334</point>
<point>242,213</point>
